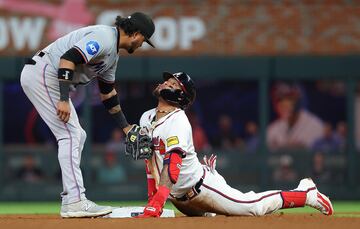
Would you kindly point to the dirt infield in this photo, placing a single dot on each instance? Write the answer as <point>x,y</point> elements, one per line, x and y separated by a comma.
<point>278,221</point>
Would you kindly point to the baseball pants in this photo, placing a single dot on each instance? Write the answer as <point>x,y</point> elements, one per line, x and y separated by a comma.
<point>40,84</point>
<point>218,197</point>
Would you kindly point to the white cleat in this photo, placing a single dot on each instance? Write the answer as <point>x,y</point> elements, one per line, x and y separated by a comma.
<point>314,198</point>
<point>84,208</point>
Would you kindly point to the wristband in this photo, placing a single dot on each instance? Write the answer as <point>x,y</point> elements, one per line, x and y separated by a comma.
<point>120,119</point>
<point>65,76</point>
<point>64,90</point>
<point>111,102</point>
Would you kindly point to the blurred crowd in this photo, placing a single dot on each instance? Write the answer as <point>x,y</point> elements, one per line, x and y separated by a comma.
<point>295,127</point>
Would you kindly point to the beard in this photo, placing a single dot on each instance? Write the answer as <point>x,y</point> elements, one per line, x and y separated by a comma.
<point>131,48</point>
<point>156,91</point>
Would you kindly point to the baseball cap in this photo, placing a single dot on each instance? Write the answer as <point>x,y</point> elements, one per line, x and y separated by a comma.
<point>144,24</point>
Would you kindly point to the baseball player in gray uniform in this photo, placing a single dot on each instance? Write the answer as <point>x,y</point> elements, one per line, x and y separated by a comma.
<point>77,58</point>
<point>198,189</point>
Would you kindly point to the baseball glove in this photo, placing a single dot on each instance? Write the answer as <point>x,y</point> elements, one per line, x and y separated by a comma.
<point>138,144</point>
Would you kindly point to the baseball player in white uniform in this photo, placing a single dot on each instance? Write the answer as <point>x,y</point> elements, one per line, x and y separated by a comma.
<point>75,59</point>
<point>175,172</point>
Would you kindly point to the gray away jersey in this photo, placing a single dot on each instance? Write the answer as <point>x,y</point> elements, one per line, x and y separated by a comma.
<point>98,46</point>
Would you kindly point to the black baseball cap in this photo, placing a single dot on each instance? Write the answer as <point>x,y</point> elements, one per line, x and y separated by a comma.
<point>144,24</point>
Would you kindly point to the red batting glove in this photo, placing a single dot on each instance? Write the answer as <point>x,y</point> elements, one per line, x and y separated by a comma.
<point>155,207</point>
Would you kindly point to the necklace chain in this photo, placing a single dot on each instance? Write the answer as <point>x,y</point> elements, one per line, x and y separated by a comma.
<point>163,111</point>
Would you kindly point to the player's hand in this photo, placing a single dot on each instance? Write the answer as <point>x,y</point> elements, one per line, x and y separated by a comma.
<point>138,143</point>
<point>210,162</point>
<point>128,128</point>
<point>63,110</point>
<point>150,212</point>
<point>155,207</point>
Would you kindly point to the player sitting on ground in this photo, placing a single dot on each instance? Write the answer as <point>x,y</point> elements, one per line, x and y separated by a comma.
<point>175,172</point>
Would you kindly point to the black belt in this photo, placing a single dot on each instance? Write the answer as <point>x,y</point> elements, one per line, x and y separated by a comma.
<point>194,191</point>
<point>31,61</point>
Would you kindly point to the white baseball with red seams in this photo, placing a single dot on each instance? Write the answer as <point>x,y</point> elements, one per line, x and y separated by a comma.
<point>216,196</point>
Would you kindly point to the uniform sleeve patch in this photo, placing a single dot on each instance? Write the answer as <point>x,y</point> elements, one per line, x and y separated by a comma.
<point>172,141</point>
<point>92,47</point>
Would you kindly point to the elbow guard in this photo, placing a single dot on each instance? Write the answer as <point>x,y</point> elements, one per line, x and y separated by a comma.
<point>174,162</point>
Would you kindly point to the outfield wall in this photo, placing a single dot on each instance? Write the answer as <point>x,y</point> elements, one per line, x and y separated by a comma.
<point>246,172</point>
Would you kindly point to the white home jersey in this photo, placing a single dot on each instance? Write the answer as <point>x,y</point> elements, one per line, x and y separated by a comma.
<point>213,194</point>
<point>98,46</point>
<point>170,132</point>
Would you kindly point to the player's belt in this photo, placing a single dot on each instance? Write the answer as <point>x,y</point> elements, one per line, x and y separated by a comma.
<point>31,61</point>
<point>194,191</point>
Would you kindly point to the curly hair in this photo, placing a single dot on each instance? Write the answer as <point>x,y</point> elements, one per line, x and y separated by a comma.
<point>126,25</point>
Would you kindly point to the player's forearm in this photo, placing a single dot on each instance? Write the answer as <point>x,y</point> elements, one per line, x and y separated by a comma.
<point>66,64</point>
<point>165,179</point>
<point>111,102</point>
<point>108,95</point>
<point>150,178</point>
<point>65,76</point>
<point>105,97</point>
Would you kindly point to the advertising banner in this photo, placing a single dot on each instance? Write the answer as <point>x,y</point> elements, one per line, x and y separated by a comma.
<point>192,28</point>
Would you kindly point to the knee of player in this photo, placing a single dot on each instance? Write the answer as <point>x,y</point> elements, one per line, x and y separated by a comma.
<point>83,134</point>
<point>72,137</point>
<point>257,209</point>
<point>77,136</point>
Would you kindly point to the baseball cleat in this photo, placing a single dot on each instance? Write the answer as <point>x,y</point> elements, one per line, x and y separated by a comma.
<point>314,198</point>
<point>84,208</point>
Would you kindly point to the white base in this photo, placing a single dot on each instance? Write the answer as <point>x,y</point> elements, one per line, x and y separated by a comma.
<point>128,212</point>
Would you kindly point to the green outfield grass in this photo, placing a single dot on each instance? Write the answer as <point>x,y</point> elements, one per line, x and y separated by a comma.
<point>54,207</point>
<point>342,208</point>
